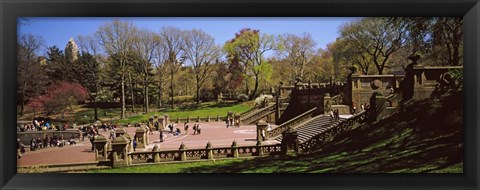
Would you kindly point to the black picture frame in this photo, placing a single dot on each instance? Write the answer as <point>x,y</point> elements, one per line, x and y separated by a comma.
<point>10,10</point>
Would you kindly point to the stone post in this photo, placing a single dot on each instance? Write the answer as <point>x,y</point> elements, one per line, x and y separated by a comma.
<point>234,149</point>
<point>261,129</point>
<point>161,123</point>
<point>198,118</point>
<point>327,103</point>
<point>100,148</point>
<point>209,151</point>
<point>119,132</point>
<point>147,138</point>
<point>129,141</point>
<point>188,119</point>
<point>237,120</point>
<point>140,137</point>
<point>178,120</point>
<point>183,154</point>
<point>150,122</point>
<point>290,142</point>
<point>208,118</point>
<point>156,154</point>
<point>119,153</point>
<point>377,106</point>
<point>259,148</point>
<point>166,120</point>
<point>218,118</point>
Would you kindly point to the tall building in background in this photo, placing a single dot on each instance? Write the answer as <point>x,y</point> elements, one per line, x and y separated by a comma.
<point>71,51</point>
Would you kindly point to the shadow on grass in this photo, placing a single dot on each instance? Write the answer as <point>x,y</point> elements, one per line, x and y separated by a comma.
<point>425,137</point>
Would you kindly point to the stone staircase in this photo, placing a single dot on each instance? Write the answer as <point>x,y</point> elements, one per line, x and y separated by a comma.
<point>316,125</point>
<point>257,114</point>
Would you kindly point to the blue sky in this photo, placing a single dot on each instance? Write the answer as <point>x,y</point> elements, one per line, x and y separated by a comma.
<point>57,31</point>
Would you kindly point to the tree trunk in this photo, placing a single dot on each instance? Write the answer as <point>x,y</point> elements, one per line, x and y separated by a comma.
<point>23,98</point>
<point>171,88</point>
<point>254,93</point>
<point>198,93</point>
<point>145,85</point>
<point>159,104</point>
<point>95,108</point>
<point>123,97</point>
<point>132,96</point>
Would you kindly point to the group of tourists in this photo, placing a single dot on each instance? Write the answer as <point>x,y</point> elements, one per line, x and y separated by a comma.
<point>334,115</point>
<point>41,126</point>
<point>52,141</point>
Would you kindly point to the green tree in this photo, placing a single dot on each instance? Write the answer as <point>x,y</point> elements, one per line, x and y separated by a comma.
<point>31,79</point>
<point>116,38</point>
<point>200,52</point>
<point>297,50</point>
<point>249,47</point>
<point>145,45</point>
<point>377,37</point>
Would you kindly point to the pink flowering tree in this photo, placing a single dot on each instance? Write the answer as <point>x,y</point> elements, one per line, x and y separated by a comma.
<point>59,98</point>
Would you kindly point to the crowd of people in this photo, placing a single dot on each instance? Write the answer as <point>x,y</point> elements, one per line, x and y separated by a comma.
<point>42,126</point>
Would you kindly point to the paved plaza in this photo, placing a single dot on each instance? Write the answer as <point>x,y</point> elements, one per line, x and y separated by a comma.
<point>215,132</point>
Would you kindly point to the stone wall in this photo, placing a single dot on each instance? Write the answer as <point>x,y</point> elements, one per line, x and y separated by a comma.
<point>364,85</point>
<point>426,78</point>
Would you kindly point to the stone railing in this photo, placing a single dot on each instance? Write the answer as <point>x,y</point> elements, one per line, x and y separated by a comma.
<point>250,111</point>
<point>258,114</point>
<point>337,99</point>
<point>197,119</point>
<point>208,153</point>
<point>292,122</point>
<point>318,140</point>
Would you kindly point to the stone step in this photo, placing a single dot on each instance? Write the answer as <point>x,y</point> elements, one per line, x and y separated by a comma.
<point>314,127</point>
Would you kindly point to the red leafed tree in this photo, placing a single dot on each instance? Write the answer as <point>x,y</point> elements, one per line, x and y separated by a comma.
<point>59,98</point>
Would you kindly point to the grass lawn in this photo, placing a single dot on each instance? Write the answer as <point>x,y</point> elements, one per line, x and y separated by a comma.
<point>202,110</point>
<point>82,115</point>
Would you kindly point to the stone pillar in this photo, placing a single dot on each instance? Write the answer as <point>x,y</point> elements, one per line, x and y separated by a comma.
<point>178,120</point>
<point>234,149</point>
<point>208,118</point>
<point>119,132</point>
<point>259,148</point>
<point>290,142</point>
<point>100,148</point>
<point>188,119</point>
<point>147,138</point>
<point>237,120</point>
<point>140,137</point>
<point>156,154</point>
<point>166,120</point>
<point>119,153</point>
<point>129,141</point>
<point>150,122</point>
<point>377,106</point>
<point>261,126</point>
<point>183,154</point>
<point>218,118</point>
<point>161,123</point>
<point>209,151</point>
<point>327,103</point>
<point>198,118</point>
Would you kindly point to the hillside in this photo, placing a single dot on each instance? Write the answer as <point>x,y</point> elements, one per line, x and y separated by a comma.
<point>425,136</point>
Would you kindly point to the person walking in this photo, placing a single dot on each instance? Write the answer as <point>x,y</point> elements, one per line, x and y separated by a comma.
<point>135,143</point>
<point>199,130</point>
<point>112,134</point>
<point>186,128</point>
<point>161,136</point>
